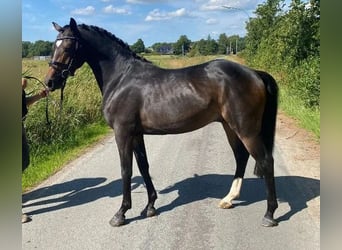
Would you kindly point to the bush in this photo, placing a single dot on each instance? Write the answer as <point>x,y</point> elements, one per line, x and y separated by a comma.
<point>304,82</point>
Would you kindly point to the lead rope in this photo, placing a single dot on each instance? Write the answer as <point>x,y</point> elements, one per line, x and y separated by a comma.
<point>62,96</point>
<point>48,123</point>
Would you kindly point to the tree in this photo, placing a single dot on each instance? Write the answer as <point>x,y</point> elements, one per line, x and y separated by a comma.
<point>201,46</point>
<point>211,46</point>
<point>139,46</point>
<point>223,44</point>
<point>163,48</point>
<point>300,31</point>
<point>182,46</point>
<point>262,25</point>
<point>25,48</point>
<point>41,48</point>
<point>38,48</point>
<point>288,44</point>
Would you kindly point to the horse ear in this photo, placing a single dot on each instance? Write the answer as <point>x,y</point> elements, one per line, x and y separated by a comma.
<point>57,27</point>
<point>73,24</point>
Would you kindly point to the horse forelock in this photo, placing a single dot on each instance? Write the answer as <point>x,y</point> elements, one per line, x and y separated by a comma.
<point>110,36</point>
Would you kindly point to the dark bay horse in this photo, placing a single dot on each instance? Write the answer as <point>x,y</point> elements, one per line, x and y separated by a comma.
<point>140,98</point>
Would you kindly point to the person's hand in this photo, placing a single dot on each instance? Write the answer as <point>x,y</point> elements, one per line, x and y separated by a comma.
<point>44,93</point>
<point>23,82</point>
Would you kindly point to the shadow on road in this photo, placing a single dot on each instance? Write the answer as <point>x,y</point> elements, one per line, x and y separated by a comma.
<point>294,190</point>
<point>77,192</point>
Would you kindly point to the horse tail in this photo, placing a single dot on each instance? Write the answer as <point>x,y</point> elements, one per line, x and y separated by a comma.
<point>268,126</point>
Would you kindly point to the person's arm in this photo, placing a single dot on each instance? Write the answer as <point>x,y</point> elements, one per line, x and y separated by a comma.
<point>32,99</point>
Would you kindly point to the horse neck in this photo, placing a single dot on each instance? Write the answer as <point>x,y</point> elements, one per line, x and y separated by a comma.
<point>108,71</point>
<point>108,60</point>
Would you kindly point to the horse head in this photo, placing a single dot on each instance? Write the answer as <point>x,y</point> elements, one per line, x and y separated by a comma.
<point>66,57</point>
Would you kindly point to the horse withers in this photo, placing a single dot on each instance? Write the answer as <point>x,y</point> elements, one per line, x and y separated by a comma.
<point>140,98</point>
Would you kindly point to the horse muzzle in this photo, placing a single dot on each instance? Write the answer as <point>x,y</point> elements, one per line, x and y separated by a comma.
<point>54,84</point>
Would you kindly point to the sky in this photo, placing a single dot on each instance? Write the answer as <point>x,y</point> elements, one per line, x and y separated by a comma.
<point>150,20</point>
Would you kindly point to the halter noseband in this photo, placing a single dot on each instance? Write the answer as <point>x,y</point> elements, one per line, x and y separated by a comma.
<point>65,69</point>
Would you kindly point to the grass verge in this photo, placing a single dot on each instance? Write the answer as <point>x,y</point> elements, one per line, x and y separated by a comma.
<point>53,157</point>
<point>307,118</point>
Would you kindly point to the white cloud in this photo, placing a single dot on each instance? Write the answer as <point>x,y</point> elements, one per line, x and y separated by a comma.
<point>89,10</point>
<point>211,21</point>
<point>146,1</point>
<point>178,13</point>
<point>157,15</point>
<point>113,10</point>
<point>212,5</point>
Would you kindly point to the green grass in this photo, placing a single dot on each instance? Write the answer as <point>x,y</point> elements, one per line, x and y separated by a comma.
<point>56,155</point>
<point>173,62</point>
<point>307,118</point>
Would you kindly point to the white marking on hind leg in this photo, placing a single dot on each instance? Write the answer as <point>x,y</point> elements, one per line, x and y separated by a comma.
<point>234,193</point>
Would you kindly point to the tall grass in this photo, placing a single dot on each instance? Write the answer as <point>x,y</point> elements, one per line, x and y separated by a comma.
<point>173,61</point>
<point>292,105</point>
<point>74,123</point>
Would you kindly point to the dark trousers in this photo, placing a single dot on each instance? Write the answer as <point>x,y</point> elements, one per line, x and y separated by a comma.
<point>25,147</point>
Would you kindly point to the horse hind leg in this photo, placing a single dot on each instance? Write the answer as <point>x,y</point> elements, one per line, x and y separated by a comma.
<point>141,158</point>
<point>264,167</point>
<point>241,157</point>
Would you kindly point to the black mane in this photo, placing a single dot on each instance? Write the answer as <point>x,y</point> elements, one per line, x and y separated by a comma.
<point>104,33</point>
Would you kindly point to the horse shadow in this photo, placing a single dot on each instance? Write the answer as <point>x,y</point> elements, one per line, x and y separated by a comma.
<point>76,192</point>
<point>294,190</point>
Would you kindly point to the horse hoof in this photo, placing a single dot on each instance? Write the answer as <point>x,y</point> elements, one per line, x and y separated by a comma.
<point>151,212</point>
<point>117,221</point>
<point>268,222</point>
<point>225,205</point>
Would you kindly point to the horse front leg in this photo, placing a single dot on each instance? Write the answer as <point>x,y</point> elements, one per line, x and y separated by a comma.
<point>124,142</point>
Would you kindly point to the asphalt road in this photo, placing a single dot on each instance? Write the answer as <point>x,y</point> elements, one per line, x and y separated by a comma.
<point>191,173</point>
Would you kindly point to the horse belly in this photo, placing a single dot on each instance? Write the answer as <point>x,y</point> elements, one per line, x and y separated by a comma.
<point>174,120</point>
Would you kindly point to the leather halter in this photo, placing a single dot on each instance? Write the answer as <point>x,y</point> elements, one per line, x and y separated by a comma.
<point>64,69</point>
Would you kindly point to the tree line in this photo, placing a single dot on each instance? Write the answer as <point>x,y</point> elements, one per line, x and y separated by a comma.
<point>38,48</point>
<point>184,46</point>
<point>223,45</point>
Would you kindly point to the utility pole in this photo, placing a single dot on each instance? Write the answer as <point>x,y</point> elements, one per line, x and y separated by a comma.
<point>235,8</point>
<point>244,11</point>
<point>236,41</point>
